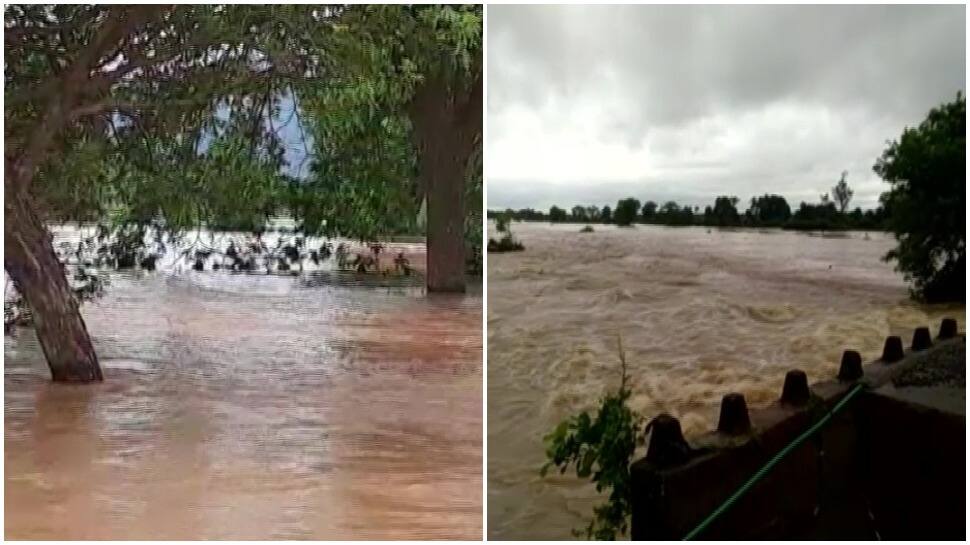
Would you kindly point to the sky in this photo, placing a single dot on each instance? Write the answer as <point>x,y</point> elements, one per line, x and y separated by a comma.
<point>591,104</point>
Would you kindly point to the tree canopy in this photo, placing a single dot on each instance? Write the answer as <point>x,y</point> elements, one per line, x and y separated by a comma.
<point>121,90</point>
<point>725,211</point>
<point>626,211</point>
<point>769,209</point>
<point>926,167</point>
<point>557,214</point>
<point>157,111</point>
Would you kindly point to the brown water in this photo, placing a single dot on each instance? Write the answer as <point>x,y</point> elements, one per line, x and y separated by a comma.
<point>252,407</point>
<point>701,314</point>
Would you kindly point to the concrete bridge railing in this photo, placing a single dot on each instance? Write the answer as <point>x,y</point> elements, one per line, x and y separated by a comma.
<point>889,464</point>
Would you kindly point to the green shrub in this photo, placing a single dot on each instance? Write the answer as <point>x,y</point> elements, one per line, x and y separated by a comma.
<point>601,449</point>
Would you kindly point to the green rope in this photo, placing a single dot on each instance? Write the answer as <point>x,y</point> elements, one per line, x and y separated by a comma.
<point>772,463</point>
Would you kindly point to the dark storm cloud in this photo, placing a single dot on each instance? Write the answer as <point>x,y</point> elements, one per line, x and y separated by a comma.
<point>697,101</point>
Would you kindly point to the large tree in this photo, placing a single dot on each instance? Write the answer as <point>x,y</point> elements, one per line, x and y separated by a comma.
<point>446,116</point>
<point>408,95</point>
<point>927,203</point>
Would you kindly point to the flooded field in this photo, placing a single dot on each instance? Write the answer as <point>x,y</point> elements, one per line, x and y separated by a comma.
<point>701,313</point>
<point>253,406</point>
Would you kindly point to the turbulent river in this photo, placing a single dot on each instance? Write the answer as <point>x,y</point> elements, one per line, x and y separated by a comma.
<point>253,406</point>
<point>700,312</point>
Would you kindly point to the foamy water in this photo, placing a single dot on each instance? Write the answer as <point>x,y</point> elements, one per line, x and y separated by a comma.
<point>701,313</point>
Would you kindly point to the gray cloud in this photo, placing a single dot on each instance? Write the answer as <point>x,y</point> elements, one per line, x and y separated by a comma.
<point>696,101</point>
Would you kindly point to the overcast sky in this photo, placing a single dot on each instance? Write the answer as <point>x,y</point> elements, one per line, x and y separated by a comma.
<point>589,104</point>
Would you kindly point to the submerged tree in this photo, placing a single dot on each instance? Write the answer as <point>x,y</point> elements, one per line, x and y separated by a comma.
<point>446,116</point>
<point>397,123</point>
<point>927,203</point>
<point>507,242</point>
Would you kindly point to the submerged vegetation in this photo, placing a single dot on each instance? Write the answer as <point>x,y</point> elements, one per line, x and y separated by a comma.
<point>507,243</point>
<point>140,248</point>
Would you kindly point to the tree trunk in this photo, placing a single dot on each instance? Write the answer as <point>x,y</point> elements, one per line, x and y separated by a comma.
<point>447,125</point>
<point>30,260</point>
<point>446,218</point>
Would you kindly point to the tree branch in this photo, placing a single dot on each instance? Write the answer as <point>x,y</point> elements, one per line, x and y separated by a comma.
<point>65,89</point>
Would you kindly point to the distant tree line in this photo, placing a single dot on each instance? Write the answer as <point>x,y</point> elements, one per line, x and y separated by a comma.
<point>768,210</point>
<point>924,209</point>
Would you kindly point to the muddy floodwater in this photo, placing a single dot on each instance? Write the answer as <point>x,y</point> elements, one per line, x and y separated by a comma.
<point>701,313</point>
<point>253,406</point>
